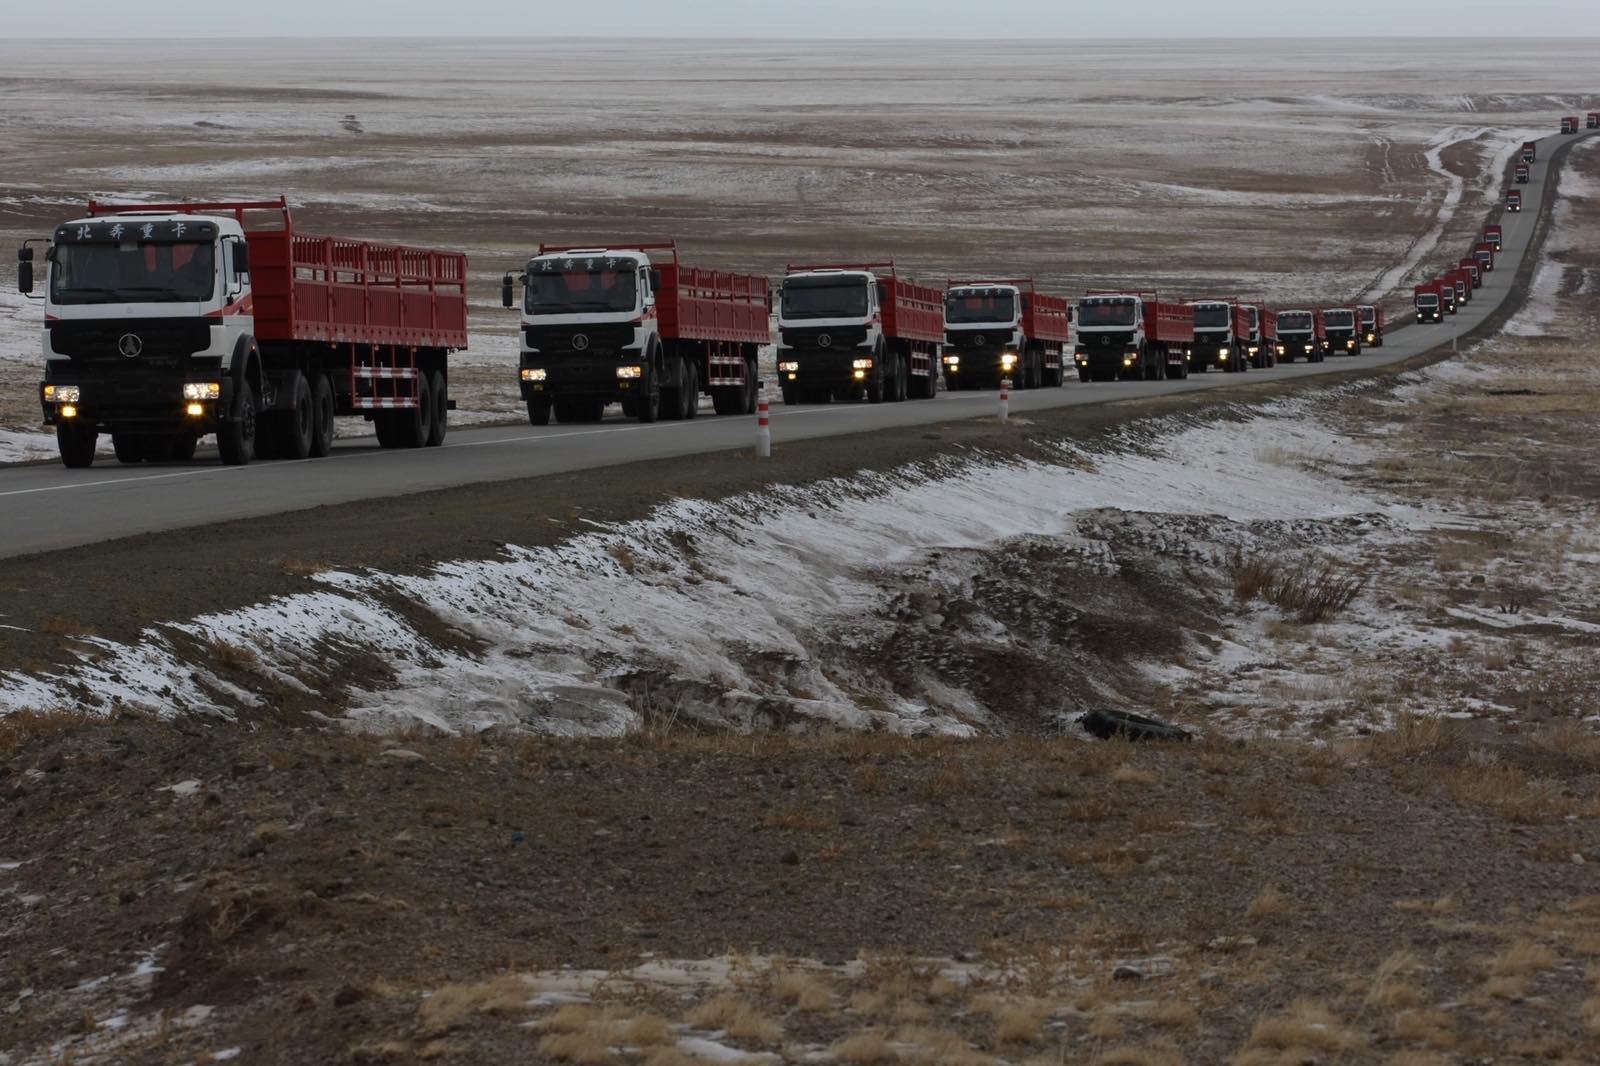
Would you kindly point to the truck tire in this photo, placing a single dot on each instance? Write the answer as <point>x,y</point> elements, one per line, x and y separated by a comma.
<point>902,370</point>
<point>130,448</point>
<point>236,438</point>
<point>411,423</point>
<point>752,387</point>
<point>76,443</point>
<point>441,410</point>
<point>180,449</point>
<point>791,395</point>
<point>539,411</point>
<point>321,416</point>
<point>387,427</point>
<point>683,402</point>
<point>296,425</point>
<point>728,399</point>
<point>1084,375</point>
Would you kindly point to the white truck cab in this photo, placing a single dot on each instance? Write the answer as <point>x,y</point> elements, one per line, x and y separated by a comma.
<point>986,316</point>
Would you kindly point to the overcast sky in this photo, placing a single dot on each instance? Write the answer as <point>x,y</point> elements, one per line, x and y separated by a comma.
<point>802,18</point>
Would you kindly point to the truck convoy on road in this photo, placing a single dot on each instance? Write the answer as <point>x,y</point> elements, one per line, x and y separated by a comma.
<point>1004,329</point>
<point>850,331</point>
<point>1570,124</point>
<point>631,323</point>
<point>165,322</point>
<point>1133,336</point>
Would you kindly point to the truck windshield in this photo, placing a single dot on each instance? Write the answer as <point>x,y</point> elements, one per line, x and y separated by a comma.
<point>1428,299</point>
<point>1213,317</point>
<point>825,298</point>
<point>1369,316</point>
<point>1106,313</point>
<point>1294,320</point>
<point>1337,319</point>
<point>132,273</point>
<point>567,292</point>
<point>979,307</point>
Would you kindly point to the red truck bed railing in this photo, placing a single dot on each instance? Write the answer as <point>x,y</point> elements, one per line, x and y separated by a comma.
<point>329,289</point>
<point>911,311</point>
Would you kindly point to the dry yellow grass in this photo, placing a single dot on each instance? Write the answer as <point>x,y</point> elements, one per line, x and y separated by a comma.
<point>737,1018</point>
<point>1106,1027</point>
<point>1389,988</point>
<point>452,1005</point>
<point>1134,1056</point>
<point>1308,1026</point>
<point>1175,1014</point>
<point>1268,901</point>
<point>1127,775</point>
<point>1589,1014</point>
<point>583,1047</point>
<point>1506,987</point>
<point>1521,958</point>
<point>1436,1028</point>
<point>802,991</point>
<point>1020,1022</point>
<point>865,1048</point>
<point>938,1047</point>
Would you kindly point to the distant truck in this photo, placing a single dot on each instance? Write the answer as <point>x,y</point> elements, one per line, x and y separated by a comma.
<point>630,323</point>
<point>1222,332</point>
<point>1004,329</point>
<point>1570,124</point>
<point>1514,200</point>
<point>850,331</point>
<point>1341,330</point>
<point>1474,270</point>
<point>1530,151</point>
<point>1593,121</point>
<point>1483,252</point>
<point>1373,321</point>
<point>1428,299</point>
<point>1495,236</point>
<point>1462,281</point>
<point>1447,293</point>
<point>1522,173</point>
<point>1300,333</point>
<point>1256,346</point>
<point>166,322</point>
<point>1133,336</point>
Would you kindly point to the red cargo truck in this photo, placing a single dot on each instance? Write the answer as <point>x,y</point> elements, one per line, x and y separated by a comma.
<point>1495,236</point>
<point>1373,321</point>
<point>1483,252</point>
<point>1514,200</point>
<point>631,323</point>
<point>1268,320</point>
<point>1462,282</point>
<point>1004,330</point>
<point>1530,151</point>
<point>1593,121</point>
<point>1522,173</point>
<point>1224,332</point>
<point>1301,333</point>
<point>166,322</point>
<point>1133,335</point>
<point>1570,124</point>
<point>850,331</point>
<point>1447,291</point>
<point>1474,270</point>
<point>1428,299</point>
<point>1340,330</point>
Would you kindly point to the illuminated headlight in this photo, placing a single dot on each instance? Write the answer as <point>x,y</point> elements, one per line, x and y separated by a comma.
<point>195,410</point>
<point>62,394</point>
<point>533,374</point>
<point>1127,360</point>
<point>630,373</point>
<point>1007,361</point>
<point>861,375</point>
<point>1222,352</point>
<point>786,367</point>
<point>861,364</point>
<point>202,390</point>
<point>69,410</point>
<point>952,360</point>
<point>1280,349</point>
<point>1222,356</point>
<point>792,377</point>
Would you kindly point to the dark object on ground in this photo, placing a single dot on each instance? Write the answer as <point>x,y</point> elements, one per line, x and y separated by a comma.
<point>1108,724</point>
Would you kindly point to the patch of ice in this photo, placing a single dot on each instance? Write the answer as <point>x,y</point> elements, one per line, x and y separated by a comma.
<point>182,789</point>
<point>709,1050</point>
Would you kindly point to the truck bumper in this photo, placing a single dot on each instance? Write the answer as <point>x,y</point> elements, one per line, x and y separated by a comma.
<point>1106,362</point>
<point>979,367</point>
<point>609,376</point>
<point>851,368</point>
<point>141,405</point>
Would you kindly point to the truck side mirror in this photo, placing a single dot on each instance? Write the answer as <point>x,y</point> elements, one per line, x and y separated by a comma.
<point>241,258</point>
<point>507,297</point>
<point>25,271</point>
<point>655,281</point>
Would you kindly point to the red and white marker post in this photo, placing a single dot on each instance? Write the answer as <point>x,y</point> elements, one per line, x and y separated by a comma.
<point>763,427</point>
<point>1005,399</point>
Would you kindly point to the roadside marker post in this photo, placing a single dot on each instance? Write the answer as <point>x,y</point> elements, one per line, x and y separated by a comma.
<point>763,427</point>
<point>1005,399</point>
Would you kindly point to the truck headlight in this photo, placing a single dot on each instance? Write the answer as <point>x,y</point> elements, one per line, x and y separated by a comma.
<point>861,364</point>
<point>532,373</point>
<point>630,373</point>
<point>202,390</point>
<point>1127,360</point>
<point>69,410</point>
<point>62,394</point>
<point>1007,361</point>
<point>195,410</point>
<point>788,366</point>
<point>952,360</point>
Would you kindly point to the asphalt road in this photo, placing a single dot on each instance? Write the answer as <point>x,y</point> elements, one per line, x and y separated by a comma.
<point>45,507</point>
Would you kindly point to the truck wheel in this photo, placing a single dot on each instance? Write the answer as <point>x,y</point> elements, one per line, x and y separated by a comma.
<point>689,395</point>
<point>412,423</point>
<point>321,416</point>
<point>539,411</point>
<point>752,386</point>
<point>180,449</point>
<point>902,370</point>
<point>1084,375</point>
<point>129,448</point>
<point>441,410</point>
<point>76,444</point>
<point>728,399</point>
<point>594,410</point>
<point>387,429</point>
<point>295,426</point>
<point>236,438</point>
<point>791,395</point>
